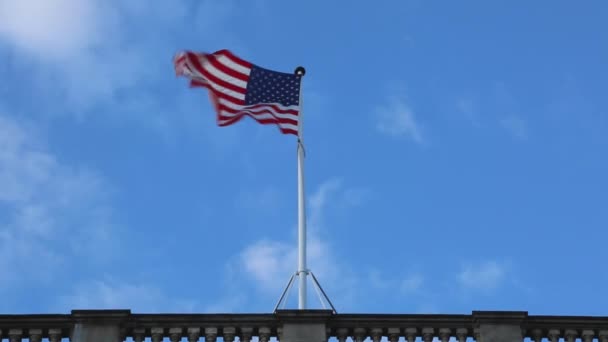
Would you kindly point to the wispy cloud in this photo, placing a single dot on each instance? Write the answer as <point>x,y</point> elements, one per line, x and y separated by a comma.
<point>397,119</point>
<point>269,263</point>
<point>268,260</point>
<point>485,277</point>
<point>53,211</point>
<point>112,293</point>
<point>468,107</point>
<point>43,29</point>
<point>412,283</point>
<point>265,200</point>
<point>227,304</point>
<point>376,280</point>
<point>87,53</point>
<point>317,203</point>
<point>516,126</point>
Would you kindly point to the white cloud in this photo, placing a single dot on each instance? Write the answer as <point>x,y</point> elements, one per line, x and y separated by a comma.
<point>264,200</point>
<point>270,263</point>
<point>51,210</point>
<point>87,53</point>
<point>228,304</point>
<point>516,126</point>
<point>75,47</point>
<point>267,261</point>
<point>469,108</point>
<point>486,276</point>
<point>378,281</point>
<point>120,294</point>
<point>354,197</point>
<point>113,58</point>
<point>412,283</point>
<point>397,119</point>
<point>317,202</point>
<point>54,29</point>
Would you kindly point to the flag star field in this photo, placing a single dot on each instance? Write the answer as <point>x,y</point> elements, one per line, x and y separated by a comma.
<point>268,86</point>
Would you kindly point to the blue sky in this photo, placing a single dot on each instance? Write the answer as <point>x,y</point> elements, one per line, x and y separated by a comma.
<point>456,157</point>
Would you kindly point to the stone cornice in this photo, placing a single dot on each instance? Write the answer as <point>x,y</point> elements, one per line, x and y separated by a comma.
<point>336,323</point>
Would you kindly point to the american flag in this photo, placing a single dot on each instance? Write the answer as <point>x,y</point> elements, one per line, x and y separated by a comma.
<point>239,88</point>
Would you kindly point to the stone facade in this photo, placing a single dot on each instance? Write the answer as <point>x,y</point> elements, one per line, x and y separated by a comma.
<point>301,326</point>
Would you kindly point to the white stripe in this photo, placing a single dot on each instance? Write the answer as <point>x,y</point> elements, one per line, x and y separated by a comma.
<point>224,77</point>
<point>193,76</point>
<point>215,86</point>
<point>232,65</point>
<point>285,125</point>
<point>227,91</point>
<point>264,112</point>
<point>257,115</point>
<point>234,106</point>
<point>260,109</point>
<point>192,69</point>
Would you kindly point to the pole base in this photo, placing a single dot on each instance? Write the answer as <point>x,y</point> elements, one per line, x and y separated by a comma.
<point>323,298</point>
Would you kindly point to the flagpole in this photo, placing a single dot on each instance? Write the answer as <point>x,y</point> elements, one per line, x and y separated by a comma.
<point>302,270</point>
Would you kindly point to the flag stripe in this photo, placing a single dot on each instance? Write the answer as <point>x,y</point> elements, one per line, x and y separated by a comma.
<point>222,86</point>
<point>226,66</point>
<point>236,60</point>
<point>199,83</point>
<point>279,108</point>
<point>264,113</point>
<point>260,112</point>
<point>215,69</point>
<point>263,119</point>
<point>276,107</point>
<point>224,95</point>
<point>230,64</point>
<point>271,98</point>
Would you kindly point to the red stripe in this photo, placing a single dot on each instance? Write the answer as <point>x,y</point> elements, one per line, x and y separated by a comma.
<point>179,65</point>
<point>212,79</point>
<point>197,83</point>
<point>234,58</point>
<point>215,102</point>
<point>264,111</point>
<point>288,131</point>
<point>273,107</point>
<point>227,97</point>
<point>233,120</point>
<point>179,59</point>
<point>221,83</point>
<point>226,70</point>
<point>269,121</point>
<point>193,59</point>
<point>273,119</point>
<point>276,108</point>
<point>229,122</point>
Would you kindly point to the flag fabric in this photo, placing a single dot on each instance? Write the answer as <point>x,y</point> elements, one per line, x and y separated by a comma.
<point>239,88</point>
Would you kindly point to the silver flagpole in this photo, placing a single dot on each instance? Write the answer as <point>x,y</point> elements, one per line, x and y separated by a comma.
<point>302,270</point>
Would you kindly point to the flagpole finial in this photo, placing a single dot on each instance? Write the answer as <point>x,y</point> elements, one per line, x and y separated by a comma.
<point>300,71</point>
